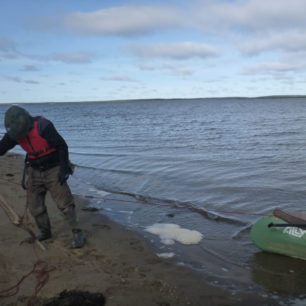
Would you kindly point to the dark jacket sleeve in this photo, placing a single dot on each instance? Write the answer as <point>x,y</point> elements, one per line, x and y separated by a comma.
<point>47,130</point>
<point>6,144</point>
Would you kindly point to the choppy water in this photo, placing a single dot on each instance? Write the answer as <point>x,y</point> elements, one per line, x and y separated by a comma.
<point>212,165</point>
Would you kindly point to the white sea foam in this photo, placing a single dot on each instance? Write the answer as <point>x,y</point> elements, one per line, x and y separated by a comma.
<point>166,255</point>
<point>169,233</point>
<point>100,193</point>
<point>126,212</point>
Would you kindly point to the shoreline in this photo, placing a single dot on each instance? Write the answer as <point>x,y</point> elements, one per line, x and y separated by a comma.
<point>115,262</point>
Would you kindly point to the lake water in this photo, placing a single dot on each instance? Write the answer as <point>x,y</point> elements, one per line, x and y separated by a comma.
<point>210,165</point>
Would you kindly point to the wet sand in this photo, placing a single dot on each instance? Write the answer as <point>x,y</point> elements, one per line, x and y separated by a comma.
<point>115,261</point>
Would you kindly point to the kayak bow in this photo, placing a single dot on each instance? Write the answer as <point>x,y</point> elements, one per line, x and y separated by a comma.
<point>282,233</point>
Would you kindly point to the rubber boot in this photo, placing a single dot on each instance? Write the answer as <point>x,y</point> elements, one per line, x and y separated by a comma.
<point>79,238</point>
<point>43,223</point>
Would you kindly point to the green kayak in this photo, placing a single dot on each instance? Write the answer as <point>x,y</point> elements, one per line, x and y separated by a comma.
<point>283,233</point>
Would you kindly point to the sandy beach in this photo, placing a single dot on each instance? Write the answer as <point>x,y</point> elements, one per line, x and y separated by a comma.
<point>115,262</point>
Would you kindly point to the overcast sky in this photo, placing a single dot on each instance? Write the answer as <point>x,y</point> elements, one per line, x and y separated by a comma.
<point>79,50</point>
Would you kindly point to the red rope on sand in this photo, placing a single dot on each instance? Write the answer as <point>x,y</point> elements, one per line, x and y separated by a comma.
<point>40,268</point>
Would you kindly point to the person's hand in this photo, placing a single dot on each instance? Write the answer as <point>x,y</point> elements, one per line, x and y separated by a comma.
<point>64,173</point>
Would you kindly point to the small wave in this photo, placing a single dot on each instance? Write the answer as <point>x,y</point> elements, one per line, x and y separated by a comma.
<point>241,231</point>
<point>97,154</point>
<point>277,134</point>
<point>209,214</point>
<point>216,216</point>
<point>117,171</point>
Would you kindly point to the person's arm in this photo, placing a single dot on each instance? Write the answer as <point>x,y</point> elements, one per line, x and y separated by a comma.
<point>47,130</point>
<point>6,144</point>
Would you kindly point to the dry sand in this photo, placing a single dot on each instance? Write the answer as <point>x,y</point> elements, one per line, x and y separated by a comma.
<point>115,261</point>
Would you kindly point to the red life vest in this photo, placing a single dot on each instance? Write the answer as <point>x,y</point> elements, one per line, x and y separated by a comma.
<point>35,145</point>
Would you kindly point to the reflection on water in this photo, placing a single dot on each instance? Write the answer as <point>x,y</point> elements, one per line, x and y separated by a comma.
<point>278,274</point>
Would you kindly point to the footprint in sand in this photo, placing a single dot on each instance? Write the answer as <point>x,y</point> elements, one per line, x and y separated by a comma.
<point>136,245</point>
<point>102,226</point>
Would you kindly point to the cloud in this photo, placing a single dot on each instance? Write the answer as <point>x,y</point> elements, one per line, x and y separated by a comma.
<point>293,62</point>
<point>67,58</point>
<point>272,67</point>
<point>124,20</point>
<point>168,68</point>
<point>267,24</point>
<point>8,48</point>
<point>29,68</point>
<point>7,45</point>
<point>284,41</point>
<point>263,15</point>
<point>13,79</point>
<point>73,58</point>
<point>180,50</point>
<point>254,26</point>
<point>20,80</point>
<point>31,82</point>
<point>119,78</point>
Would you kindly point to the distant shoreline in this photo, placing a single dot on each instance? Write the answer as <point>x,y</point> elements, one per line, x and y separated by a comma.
<point>166,99</point>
